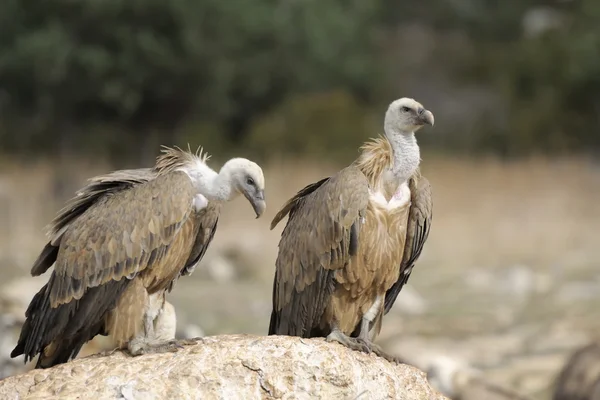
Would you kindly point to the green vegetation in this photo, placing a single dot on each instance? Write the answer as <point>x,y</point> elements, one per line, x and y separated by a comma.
<point>120,77</point>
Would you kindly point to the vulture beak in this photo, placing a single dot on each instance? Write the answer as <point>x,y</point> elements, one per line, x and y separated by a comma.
<point>258,202</point>
<point>425,117</point>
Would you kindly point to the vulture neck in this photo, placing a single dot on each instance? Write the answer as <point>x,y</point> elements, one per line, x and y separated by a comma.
<point>219,188</point>
<point>406,155</point>
<point>214,186</point>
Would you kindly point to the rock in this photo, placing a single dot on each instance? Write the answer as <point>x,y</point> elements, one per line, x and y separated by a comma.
<point>449,369</point>
<point>228,367</point>
<point>580,377</point>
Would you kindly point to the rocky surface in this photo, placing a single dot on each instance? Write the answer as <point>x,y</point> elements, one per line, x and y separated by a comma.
<point>228,367</point>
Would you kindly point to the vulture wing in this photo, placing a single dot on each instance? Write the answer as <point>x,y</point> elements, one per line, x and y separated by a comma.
<point>96,188</point>
<point>419,223</point>
<point>320,237</point>
<point>206,226</point>
<point>122,233</point>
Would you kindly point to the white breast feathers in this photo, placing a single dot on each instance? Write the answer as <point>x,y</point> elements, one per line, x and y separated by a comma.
<point>400,199</point>
<point>200,202</point>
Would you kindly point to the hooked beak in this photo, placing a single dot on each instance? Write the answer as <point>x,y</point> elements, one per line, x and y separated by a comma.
<point>426,117</point>
<point>258,202</point>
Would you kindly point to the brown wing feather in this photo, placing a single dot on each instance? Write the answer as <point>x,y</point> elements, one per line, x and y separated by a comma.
<point>206,223</point>
<point>121,235</point>
<point>75,323</point>
<point>293,202</point>
<point>96,188</point>
<point>321,236</point>
<point>417,232</point>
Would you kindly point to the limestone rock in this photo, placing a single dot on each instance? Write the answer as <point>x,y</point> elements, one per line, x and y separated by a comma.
<point>228,367</point>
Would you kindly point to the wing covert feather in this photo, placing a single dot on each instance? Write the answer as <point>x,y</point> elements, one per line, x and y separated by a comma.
<point>417,232</point>
<point>84,198</point>
<point>318,239</point>
<point>121,234</point>
<point>206,222</point>
<point>205,228</point>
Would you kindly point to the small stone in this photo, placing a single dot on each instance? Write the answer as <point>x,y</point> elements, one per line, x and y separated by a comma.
<point>39,378</point>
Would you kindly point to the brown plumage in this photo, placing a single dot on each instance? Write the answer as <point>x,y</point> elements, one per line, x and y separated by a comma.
<point>352,239</point>
<point>119,246</point>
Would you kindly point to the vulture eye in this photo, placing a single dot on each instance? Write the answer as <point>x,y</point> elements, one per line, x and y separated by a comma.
<point>405,109</point>
<point>250,181</point>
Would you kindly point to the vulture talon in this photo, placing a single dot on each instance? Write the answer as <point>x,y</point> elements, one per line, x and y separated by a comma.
<point>350,342</point>
<point>380,353</point>
<point>368,346</point>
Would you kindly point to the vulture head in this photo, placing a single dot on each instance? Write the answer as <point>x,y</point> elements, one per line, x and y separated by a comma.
<point>406,115</point>
<point>247,178</point>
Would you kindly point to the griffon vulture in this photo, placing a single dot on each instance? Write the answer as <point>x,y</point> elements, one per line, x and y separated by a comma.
<point>352,239</point>
<point>119,246</point>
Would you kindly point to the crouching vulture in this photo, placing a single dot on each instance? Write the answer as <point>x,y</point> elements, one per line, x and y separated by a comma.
<point>352,239</point>
<point>120,245</point>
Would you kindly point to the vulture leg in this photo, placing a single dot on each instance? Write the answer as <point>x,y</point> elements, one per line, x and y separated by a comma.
<point>367,332</point>
<point>367,327</point>
<point>165,325</point>
<point>159,334</point>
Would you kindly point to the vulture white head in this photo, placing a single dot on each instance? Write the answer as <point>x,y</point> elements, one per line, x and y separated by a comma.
<point>237,176</point>
<point>247,178</point>
<point>407,116</point>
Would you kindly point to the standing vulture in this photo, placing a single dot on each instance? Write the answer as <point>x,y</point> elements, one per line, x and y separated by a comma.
<point>119,246</point>
<point>352,239</point>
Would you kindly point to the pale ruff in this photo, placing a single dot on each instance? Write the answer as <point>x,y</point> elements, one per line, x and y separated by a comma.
<point>210,184</point>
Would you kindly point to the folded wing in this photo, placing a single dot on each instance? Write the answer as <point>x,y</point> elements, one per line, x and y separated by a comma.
<point>320,237</point>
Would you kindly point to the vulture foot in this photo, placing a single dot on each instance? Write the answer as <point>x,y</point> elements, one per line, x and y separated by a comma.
<point>350,342</point>
<point>374,348</point>
<point>137,348</point>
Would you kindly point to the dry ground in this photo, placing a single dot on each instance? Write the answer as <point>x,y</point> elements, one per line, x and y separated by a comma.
<point>509,273</point>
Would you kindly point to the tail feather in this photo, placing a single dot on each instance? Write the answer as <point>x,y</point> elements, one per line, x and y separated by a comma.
<point>57,334</point>
<point>45,259</point>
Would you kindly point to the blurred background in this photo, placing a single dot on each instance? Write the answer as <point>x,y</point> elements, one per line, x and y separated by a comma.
<point>508,281</point>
